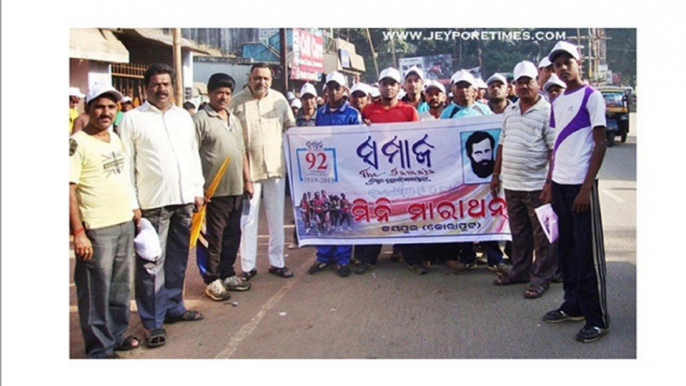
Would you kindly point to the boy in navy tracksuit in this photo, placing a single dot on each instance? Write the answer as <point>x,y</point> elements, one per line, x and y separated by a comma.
<point>337,112</point>
<point>578,116</point>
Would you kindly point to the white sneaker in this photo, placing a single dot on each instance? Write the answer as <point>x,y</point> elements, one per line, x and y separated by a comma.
<point>217,292</point>
<point>236,283</point>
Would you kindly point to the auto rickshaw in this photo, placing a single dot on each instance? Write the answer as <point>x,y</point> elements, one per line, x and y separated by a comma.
<point>616,112</point>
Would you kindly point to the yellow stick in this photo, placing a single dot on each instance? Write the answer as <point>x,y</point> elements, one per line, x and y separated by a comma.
<point>199,218</point>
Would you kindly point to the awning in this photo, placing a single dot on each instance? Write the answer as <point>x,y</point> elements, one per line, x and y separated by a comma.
<point>96,44</point>
<point>157,36</point>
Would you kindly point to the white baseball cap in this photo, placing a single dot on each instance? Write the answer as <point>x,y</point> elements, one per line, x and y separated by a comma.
<point>416,70</point>
<point>308,88</point>
<point>126,100</point>
<point>463,76</point>
<point>561,47</point>
<point>496,78</point>
<point>390,73</point>
<point>545,62</point>
<point>360,87</point>
<point>480,83</point>
<point>296,103</point>
<point>553,81</point>
<point>525,68</point>
<point>435,84</point>
<point>75,91</point>
<point>337,77</point>
<point>374,92</point>
<point>290,96</point>
<point>98,89</point>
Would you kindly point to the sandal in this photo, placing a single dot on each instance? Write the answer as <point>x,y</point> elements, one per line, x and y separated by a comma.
<point>130,343</point>
<point>535,292</point>
<point>281,272</point>
<point>156,338</point>
<point>188,316</point>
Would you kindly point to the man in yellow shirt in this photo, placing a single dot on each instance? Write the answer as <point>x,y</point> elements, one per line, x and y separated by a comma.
<point>101,210</point>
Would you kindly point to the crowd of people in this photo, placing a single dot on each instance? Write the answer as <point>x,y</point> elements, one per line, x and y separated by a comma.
<point>150,168</point>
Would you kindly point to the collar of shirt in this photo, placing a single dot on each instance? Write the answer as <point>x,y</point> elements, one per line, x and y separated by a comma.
<point>325,110</point>
<point>516,106</point>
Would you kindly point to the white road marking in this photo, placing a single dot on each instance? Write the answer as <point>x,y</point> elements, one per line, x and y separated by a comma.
<point>613,196</point>
<point>249,327</point>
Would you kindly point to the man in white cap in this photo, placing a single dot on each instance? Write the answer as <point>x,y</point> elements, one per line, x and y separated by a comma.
<point>414,85</point>
<point>158,139</point>
<point>578,116</point>
<point>553,88</point>
<point>308,114</point>
<point>464,105</point>
<point>497,93</point>
<point>101,210</point>
<point>435,99</point>
<point>359,96</point>
<point>75,97</point>
<point>126,105</point>
<point>463,85</point>
<point>388,109</point>
<point>481,91</point>
<point>545,70</point>
<point>296,104</point>
<point>264,144</point>
<point>521,166</point>
<point>374,94</point>
<point>337,112</point>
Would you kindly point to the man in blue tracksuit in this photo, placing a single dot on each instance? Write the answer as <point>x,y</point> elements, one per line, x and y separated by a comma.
<point>337,112</point>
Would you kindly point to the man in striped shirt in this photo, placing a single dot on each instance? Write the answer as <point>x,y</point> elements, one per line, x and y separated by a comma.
<point>522,161</point>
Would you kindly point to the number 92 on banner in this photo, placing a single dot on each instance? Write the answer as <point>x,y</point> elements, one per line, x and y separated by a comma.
<point>317,166</point>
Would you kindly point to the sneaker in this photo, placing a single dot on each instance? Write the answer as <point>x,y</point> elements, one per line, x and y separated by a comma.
<point>418,268</point>
<point>236,283</point>
<point>463,267</point>
<point>498,268</point>
<point>590,334</point>
<point>343,270</point>
<point>364,268</point>
<point>217,292</point>
<point>318,267</point>
<point>558,316</point>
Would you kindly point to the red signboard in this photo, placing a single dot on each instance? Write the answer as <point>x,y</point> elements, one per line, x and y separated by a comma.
<point>308,55</point>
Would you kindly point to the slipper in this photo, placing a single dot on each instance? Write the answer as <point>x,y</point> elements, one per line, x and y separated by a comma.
<point>504,279</point>
<point>535,292</point>
<point>188,316</point>
<point>130,343</point>
<point>250,274</point>
<point>281,272</point>
<point>156,338</point>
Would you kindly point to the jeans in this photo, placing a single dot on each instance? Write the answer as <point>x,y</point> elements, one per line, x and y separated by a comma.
<point>223,235</point>
<point>274,205</point>
<point>159,284</point>
<point>582,256</point>
<point>103,288</point>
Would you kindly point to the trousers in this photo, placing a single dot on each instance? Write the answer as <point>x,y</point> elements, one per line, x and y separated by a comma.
<point>103,288</point>
<point>581,252</point>
<point>159,284</point>
<point>274,190</point>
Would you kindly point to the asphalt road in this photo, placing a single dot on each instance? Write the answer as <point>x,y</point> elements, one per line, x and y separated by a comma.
<point>392,313</point>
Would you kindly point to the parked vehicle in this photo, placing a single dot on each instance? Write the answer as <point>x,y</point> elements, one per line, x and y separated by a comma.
<point>617,100</point>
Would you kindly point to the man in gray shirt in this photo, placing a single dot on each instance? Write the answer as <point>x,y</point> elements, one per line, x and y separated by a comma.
<point>220,136</point>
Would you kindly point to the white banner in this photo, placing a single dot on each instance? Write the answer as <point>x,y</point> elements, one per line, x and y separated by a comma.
<point>396,183</point>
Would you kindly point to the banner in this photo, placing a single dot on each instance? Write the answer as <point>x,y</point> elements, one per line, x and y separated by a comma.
<point>396,183</point>
<point>435,67</point>
<point>308,56</point>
